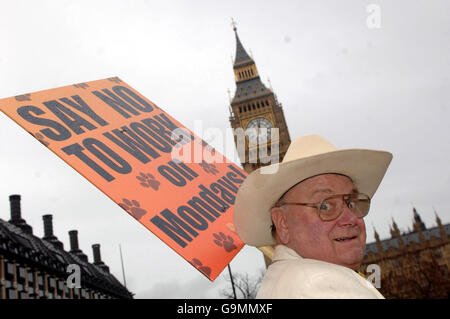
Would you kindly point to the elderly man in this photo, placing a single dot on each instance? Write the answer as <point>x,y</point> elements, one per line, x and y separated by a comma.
<point>312,209</point>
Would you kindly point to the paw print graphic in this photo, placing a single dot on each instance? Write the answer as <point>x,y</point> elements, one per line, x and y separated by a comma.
<point>134,207</point>
<point>115,79</point>
<point>148,180</point>
<point>208,147</point>
<point>224,241</point>
<point>204,144</point>
<point>41,139</point>
<point>23,97</point>
<point>199,265</point>
<point>209,168</point>
<point>211,149</point>
<point>81,85</point>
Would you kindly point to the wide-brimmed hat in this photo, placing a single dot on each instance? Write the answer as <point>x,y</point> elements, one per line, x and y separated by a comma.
<point>306,156</point>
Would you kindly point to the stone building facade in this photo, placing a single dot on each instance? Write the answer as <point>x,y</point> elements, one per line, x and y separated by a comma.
<point>413,264</point>
<point>39,268</point>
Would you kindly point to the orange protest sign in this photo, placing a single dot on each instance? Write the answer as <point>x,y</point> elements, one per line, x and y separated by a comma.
<point>144,160</point>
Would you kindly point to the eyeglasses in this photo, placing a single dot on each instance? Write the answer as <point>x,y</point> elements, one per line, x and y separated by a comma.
<point>332,207</point>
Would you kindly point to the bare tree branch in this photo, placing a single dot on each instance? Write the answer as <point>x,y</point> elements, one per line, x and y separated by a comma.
<point>246,287</point>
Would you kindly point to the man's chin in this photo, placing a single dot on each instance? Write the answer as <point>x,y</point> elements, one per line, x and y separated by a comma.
<point>351,259</point>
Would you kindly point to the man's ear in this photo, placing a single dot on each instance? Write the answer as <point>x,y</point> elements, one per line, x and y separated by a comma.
<point>279,219</point>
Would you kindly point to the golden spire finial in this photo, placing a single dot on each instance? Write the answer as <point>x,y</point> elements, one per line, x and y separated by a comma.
<point>270,84</point>
<point>233,24</point>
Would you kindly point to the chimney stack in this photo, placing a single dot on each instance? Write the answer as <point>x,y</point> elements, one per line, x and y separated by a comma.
<point>16,215</point>
<point>74,249</point>
<point>48,232</point>
<point>73,234</point>
<point>48,226</point>
<point>96,253</point>
<point>15,208</point>
<point>97,259</point>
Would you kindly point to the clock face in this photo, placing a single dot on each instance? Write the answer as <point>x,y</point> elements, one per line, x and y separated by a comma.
<point>259,130</point>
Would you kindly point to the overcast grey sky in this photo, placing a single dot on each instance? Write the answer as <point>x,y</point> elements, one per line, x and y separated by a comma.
<point>384,88</point>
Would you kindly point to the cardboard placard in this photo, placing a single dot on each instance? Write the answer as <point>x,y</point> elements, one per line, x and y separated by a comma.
<point>124,144</point>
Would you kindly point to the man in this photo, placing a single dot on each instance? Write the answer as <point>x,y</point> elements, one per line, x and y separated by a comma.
<point>312,209</point>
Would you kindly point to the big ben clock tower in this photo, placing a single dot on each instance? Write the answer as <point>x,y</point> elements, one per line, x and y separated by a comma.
<point>256,110</point>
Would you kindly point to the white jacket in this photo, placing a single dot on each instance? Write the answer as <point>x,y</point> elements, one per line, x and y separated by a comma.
<point>291,276</point>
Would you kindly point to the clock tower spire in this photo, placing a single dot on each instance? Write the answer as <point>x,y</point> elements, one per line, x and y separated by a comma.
<point>256,110</point>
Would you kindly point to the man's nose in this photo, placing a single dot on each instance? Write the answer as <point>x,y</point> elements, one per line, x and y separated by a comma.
<point>347,218</point>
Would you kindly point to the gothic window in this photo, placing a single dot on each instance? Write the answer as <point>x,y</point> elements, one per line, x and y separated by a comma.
<point>11,293</point>
<point>253,106</point>
<point>267,103</point>
<point>257,105</point>
<point>60,285</point>
<point>77,293</point>
<point>66,291</point>
<point>60,288</point>
<point>21,272</point>
<point>51,284</point>
<point>31,292</point>
<point>251,71</point>
<point>245,108</point>
<point>10,269</point>
<point>240,109</point>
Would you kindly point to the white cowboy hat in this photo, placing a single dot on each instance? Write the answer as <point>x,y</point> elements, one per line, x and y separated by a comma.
<point>307,156</point>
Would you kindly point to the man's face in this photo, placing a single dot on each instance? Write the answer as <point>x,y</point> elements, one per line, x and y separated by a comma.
<point>300,228</point>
